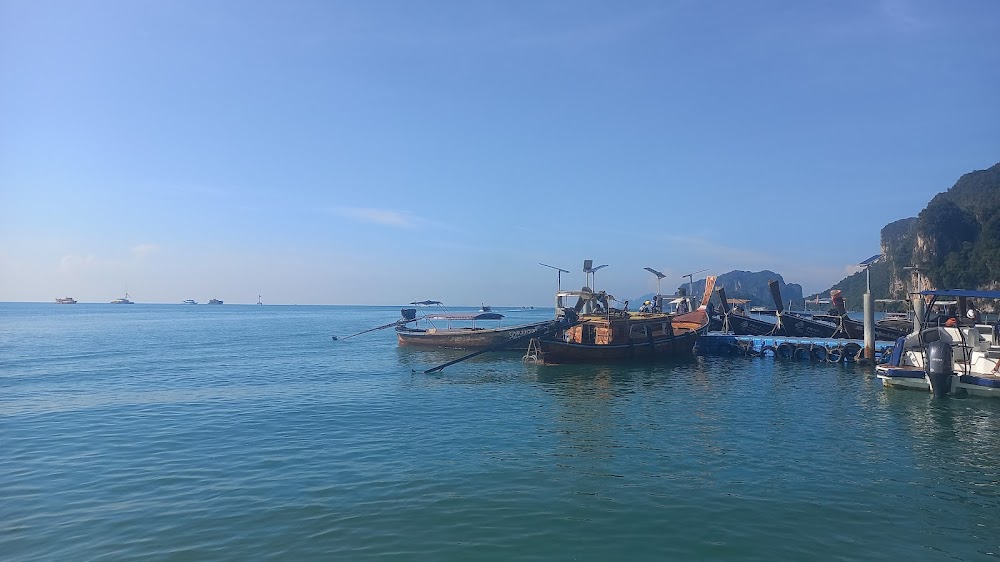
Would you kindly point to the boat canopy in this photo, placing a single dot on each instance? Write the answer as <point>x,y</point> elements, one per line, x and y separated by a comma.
<point>962,293</point>
<point>465,316</point>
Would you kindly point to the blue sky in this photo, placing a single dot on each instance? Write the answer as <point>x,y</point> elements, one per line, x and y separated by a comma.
<point>383,152</point>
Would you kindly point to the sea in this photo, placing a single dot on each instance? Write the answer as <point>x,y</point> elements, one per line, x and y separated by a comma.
<point>243,432</point>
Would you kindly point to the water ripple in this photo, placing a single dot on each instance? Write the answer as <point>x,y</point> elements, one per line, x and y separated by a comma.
<point>172,433</point>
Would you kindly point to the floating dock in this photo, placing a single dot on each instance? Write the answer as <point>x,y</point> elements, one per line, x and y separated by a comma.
<point>827,350</point>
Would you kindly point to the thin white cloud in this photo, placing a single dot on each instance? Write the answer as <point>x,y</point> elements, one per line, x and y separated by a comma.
<point>382,217</point>
<point>72,262</point>
<point>722,252</point>
<point>852,269</point>
<point>143,250</point>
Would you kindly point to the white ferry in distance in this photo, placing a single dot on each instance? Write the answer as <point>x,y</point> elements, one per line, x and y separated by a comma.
<point>189,301</point>
<point>215,301</point>
<point>123,300</point>
<point>66,300</point>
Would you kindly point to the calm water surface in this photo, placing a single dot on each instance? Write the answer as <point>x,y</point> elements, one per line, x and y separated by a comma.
<point>245,432</point>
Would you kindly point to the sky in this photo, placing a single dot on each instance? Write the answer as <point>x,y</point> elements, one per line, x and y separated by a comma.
<point>384,152</point>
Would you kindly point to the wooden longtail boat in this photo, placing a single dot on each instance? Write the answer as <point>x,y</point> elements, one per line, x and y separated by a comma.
<point>796,325</point>
<point>597,333</point>
<point>741,324</point>
<point>853,329</point>
<point>460,330</point>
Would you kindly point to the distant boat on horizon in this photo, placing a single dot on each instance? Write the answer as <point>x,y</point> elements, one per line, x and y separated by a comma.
<point>66,300</point>
<point>123,300</point>
<point>189,301</point>
<point>215,301</point>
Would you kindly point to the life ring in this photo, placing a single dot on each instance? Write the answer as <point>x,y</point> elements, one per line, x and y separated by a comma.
<point>835,354</point>
<point>767,349</point>
<point>785,350</point>
<point>851,351</point>
<point>801,352</point>
<point>818,352</point>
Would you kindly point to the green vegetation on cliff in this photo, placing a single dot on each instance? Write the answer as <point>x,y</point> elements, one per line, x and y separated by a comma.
<point>954,241</point>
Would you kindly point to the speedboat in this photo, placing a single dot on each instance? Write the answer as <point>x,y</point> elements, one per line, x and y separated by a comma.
<point>66,300</point>
<point>947,354</point>
<point>189,301</point>
<point>123,300</point>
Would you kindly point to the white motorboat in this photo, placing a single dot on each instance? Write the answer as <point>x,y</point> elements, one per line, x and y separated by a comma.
<point>123,300</point>
<point>948,354</point>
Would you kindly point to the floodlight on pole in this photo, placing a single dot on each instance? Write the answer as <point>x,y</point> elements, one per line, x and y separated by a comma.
<point>559,272</point>
<point>690,277</point>
<point>592,272</point>
<point>658,275</point>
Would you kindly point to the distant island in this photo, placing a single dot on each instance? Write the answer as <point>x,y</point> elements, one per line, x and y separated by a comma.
<point>750,285</point>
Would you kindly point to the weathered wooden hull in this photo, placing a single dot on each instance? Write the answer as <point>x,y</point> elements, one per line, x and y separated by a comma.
<point>648,342</point>
<point>469,338</point>
<point>801,327</point>
<point>557,351</point>
<point>747,326</point>
<point>855,330</point>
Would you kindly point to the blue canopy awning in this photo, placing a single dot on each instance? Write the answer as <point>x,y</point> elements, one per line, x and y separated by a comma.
<point>465,316</point>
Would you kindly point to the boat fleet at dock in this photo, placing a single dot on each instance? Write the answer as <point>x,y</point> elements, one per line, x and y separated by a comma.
<point>936,353</point>
<point>589,326</point>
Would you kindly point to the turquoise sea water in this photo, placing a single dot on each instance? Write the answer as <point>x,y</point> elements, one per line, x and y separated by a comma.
<point>244,432</point>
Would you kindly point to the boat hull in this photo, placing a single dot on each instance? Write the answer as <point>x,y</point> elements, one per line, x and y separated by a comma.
<point>560,352</point>
<point>469,338</point>
<point>796,326</point>
<point>747,326</point>
<point>653,337</point>
<point>854,330</point>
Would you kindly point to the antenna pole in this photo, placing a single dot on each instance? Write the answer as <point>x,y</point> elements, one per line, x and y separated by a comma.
<point>559,272</point>
<point>690,277</point>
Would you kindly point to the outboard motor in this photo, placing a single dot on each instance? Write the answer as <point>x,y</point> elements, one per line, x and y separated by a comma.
<point>408,313</point>
<point>940,367</point>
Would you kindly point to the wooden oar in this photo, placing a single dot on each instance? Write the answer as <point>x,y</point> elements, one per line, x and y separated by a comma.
<point>399,322</point>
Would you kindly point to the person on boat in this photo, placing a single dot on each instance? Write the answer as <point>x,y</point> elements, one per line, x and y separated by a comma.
<point>973,314</point>
<point>682,307</point>
<point>645,307</point>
